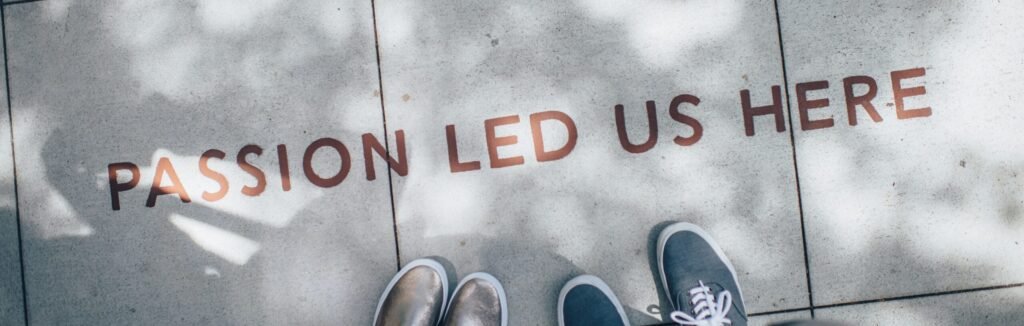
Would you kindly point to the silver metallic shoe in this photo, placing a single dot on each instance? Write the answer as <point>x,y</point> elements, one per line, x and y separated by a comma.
<point>416,296</point>
<point>479,300</point>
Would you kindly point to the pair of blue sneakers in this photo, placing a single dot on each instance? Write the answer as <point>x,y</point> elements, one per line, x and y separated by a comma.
<point>699,282</point>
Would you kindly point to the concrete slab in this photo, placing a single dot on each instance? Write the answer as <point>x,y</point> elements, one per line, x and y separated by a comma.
<point>924,203</point>
<point>767,320</point>
<point>12,308</point>
<point>992,307</point>
<point>772,319</point>
<point>100,82</point>
<point>537,223</point>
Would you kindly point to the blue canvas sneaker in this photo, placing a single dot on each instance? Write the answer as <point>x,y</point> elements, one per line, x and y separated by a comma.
<point>587,301</point>
<point>699,280</point>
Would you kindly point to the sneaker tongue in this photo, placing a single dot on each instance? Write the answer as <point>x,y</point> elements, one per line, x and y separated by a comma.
<point>685,297</point>
<point>684,303</point>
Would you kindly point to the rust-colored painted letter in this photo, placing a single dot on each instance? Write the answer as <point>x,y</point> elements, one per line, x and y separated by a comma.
<point>673,111</point>
<point>261,179</point>
<point>115,187</point>
<point>804,105</point>
<point>750,112</point>
<point>900,93</point>
<point>453,153</point>
<point>370,145</point>
<point>652,129</point>
<point>493,142</point>
<point>538,135</point>
<point>307,162</point>
<point>204,168</point>
<point>282,164</point>
<point>162,167</point>
<point>853,101</point>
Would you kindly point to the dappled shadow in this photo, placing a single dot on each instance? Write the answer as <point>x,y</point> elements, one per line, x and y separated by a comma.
<point>908,207</point>
<point>95,83</point>
<point>590,212</point>
<point>11,307</point>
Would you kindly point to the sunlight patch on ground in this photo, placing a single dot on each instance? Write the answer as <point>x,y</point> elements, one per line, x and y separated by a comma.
<point>663,30</point>
<point>228,245</point>
<point>234,16</point>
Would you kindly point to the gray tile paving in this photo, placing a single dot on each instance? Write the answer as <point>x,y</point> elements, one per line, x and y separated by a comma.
<point>539,223</point>
<point>767,320</point>
<point>898,207</point>
<point>11,301</point>
<point>992,307</point>
<point>100,82</point>
<point>770,319</point>
<point>913,205</point>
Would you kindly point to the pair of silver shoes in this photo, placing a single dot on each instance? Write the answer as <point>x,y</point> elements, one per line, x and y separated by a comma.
<point>418,296</point>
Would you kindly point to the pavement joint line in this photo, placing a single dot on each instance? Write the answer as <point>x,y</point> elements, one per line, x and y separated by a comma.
<point>14,167</point>
<point>781,311</point>
<point>8,3</point>
<point>387,143</point>
<point>923,295</point>
<point>796,168</point>
<point>865,302</point>
<point>765,313</point>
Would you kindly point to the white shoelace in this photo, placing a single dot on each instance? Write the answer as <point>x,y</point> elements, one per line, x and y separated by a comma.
<point>707,310</point>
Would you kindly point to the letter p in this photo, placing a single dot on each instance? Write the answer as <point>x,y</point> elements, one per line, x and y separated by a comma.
<point>116,187</point>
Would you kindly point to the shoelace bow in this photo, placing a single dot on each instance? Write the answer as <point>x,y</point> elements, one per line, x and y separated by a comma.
<point>707,310</point>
